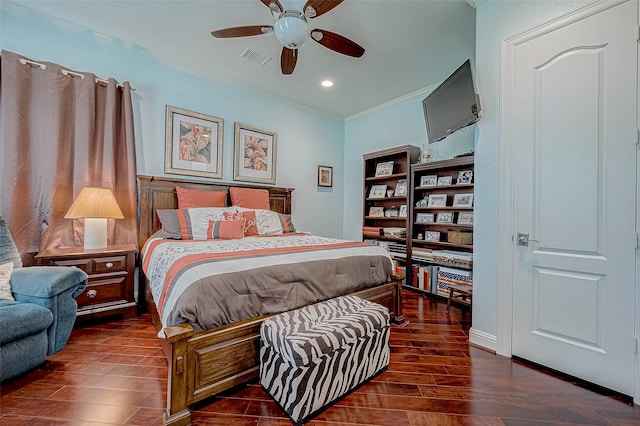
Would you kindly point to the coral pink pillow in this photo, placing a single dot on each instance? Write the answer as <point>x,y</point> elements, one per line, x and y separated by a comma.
<point>191,198</point>
<point>226,229</point>
<point>250,198</point>
<point>249,217</point>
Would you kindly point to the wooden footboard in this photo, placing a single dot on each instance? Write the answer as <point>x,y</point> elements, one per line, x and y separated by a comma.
<point>204,364</point>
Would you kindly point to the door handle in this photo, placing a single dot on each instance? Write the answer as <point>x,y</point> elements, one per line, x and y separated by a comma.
<point>523,239</point>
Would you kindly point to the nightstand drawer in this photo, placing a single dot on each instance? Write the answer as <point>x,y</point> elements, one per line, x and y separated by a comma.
<point>84,264</point>
<point>109,264</point>
<point>103,290</point>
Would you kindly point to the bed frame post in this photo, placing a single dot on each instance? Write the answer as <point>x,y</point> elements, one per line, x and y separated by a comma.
<point>177,413</point>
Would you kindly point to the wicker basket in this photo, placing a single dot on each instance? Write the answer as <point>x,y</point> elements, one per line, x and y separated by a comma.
<point>457,236</point>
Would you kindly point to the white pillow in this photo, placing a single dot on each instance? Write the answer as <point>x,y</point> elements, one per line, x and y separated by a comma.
<point>194,223</point>
<point>272,223</point>
<point>5,281</point>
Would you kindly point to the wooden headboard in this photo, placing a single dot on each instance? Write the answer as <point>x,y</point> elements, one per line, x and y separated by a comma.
<point>158,193</point>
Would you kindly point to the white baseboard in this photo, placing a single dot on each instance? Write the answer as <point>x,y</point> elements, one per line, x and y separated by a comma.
<point>484,340</point>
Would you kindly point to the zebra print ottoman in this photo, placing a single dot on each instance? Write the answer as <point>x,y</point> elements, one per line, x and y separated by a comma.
<point>312,356</point>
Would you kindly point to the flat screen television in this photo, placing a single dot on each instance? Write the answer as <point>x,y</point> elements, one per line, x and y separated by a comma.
<point>453,105</point>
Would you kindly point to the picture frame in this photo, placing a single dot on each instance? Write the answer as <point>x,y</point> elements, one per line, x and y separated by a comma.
<point>444,180</point>
<point>437,200</point>
<point>193,143</point>
<point>401,188</point>
<point>384,169</point>
<point>424,218</point>
<point>464,176</point>
<point>432,236</point>
<point>254,154</point>
<point>403,211</point>
<point>444,217</point>
<point>376,211</point>
<point>378,191</point>
<point>463,200</point>
<point>429,180</point>
<point>325,176</point>
<point>465,218</point>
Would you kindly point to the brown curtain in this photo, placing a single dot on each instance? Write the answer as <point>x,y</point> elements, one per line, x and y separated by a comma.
<point>61,131</point>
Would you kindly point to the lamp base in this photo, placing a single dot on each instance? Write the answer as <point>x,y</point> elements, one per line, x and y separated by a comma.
<point>95,233</point>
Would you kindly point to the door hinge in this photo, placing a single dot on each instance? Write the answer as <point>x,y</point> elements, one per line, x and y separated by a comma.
<point>637,240</point>
<point>638,138</point>
<point>635,345</point>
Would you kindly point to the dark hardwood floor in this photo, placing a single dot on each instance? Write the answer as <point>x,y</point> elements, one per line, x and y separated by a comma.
<point>115,373</point>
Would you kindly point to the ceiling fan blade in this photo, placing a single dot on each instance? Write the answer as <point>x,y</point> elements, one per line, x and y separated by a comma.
<point>319,7</point>
<point>288,60</point>
<point>337,43</point>
<point>249,30</point>
<point>273,5</point>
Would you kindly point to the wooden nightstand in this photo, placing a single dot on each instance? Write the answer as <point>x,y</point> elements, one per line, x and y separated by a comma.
<point>110,290</point>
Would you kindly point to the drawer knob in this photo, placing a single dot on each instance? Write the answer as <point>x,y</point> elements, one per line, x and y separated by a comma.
<point>91,294</point>
<point>109,265</point>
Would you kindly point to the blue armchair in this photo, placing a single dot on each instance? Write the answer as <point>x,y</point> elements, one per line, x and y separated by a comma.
<point>40,319</point>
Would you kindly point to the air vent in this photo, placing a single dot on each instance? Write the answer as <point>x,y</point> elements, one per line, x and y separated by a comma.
<point>255,57</point>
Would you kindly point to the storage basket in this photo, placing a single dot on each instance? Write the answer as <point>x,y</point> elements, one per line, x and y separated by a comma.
<point>457,236</point>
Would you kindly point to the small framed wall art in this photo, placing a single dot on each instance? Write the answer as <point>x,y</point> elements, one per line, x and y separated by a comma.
<point>444,180</point>
<point>437,200</point>
<point>193,143</point>
<point>429,180</point>
<point>424,217</point>
<point>325,176</point>
<point>254,154</point>
<point>403,210</point>
<point>465,218</point>
<point>432,236</point>
<point>376,212</point>
<point>401,188</point>
<point>444,217</point>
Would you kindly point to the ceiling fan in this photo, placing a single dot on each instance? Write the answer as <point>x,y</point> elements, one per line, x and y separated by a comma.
<point>291,30</point>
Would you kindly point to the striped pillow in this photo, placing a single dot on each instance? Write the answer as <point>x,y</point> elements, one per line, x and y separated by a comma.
<point>194,223</point>
<point>226,229</point>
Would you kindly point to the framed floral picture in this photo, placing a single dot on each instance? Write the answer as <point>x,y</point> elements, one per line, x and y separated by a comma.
<point>193,143</point>
<point>254,154</point>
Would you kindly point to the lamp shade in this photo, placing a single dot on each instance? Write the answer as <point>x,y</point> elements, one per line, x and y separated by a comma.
<point>95,203</point>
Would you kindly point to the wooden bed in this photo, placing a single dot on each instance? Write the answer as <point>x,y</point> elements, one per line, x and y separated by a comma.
<point>204,364</point>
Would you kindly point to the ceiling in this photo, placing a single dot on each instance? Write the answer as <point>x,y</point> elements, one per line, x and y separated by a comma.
<point>410,44</point>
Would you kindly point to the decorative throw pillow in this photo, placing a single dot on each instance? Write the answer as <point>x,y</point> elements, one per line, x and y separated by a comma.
<point>5,281</point>
<point>250,198</point>
<point>225,229</point>
<point>272,223</point>
<point>170,223</point>
<point>192,198</point>
<point>194,223</point>
<point>249,217</point>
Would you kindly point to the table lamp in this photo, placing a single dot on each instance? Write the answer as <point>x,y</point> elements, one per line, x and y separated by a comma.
<point>95,206</point>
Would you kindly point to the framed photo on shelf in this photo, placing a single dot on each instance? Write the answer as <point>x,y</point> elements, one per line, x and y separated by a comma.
<point>437,200</point>
<point>401,188</point>
<point>429,180</point>
<point>378,191</point>
<point>325,176</point>
<point>432,236</point>
<point>376,212</point>
<point>384,169</point>
<point>444,180</point>
<point>465,218</point>
<point>424,217</point>
<point>444,217</point>
<point>403,210</point>
<point>463,200</point>
<point>465,176</point>
<point>193,143</point>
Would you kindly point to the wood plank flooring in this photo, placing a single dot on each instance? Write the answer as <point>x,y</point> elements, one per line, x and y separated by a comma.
<point>115,373</point>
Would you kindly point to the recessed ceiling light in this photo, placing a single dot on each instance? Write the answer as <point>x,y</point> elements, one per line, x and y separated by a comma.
<point>327,83</point>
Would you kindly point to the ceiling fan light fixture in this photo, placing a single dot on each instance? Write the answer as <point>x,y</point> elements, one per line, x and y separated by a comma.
<point>291,29</point>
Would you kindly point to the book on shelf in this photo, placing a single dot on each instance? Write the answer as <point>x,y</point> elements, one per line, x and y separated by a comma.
<point>371,231</point>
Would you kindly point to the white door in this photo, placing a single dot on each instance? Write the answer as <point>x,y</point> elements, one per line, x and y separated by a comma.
<point>575,195</point>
